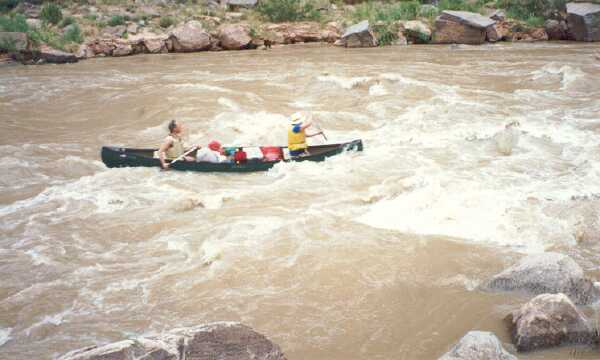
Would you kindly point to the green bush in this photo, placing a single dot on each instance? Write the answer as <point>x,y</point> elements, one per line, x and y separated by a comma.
<point>288,10</point>
<point>73,34</point>
<point>461,5</point>
<point>51,13</point>
<point>8,5</point>
<point>386,34</point>
<point>17,23</point>
<point>67,21</point>
<point>525,9</point>
<point>166,21</point>
<point>116,20</point>
<point>387,12</point>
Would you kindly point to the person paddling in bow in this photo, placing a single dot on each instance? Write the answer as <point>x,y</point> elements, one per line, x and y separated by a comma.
<point>172,147</point>
<point>297,134</point>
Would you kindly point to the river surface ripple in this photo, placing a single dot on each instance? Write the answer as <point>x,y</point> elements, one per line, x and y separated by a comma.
<point>373,255</point>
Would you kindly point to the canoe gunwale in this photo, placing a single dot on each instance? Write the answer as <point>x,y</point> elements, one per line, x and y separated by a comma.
<point>115,156</point>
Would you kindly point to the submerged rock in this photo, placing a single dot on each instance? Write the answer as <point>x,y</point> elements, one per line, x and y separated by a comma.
<point>359,35</point>
<point>549,320</point>
<point>507,139</point>
<point>190,37</point>
<point>584,21</point>
<point>546,273</point>
<point>461,27</point>
<point>220,340</point>
<point>476,345</point>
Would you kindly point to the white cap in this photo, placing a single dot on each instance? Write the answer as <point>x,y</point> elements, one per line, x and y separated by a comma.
<point>297,117</point>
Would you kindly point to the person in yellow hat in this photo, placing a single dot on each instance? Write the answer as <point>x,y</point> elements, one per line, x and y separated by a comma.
<point>297,134</point>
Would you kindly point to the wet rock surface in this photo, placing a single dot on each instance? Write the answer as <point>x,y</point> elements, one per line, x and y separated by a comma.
<point>549,320</point>
<point>359,35</point>
<point>220,340</point>
<point>462,27</point>
<point>546,273</point>
<point>476,345</point>
<point>584,21</point>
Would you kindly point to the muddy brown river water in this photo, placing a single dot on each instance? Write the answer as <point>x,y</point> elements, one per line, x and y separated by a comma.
<point>372,255</point>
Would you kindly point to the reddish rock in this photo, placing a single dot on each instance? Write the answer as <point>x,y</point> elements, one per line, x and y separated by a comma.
<point>291,33</point>
<point>122,49</point>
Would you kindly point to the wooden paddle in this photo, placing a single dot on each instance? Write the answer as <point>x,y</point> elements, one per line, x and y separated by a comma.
<point>183,155</point>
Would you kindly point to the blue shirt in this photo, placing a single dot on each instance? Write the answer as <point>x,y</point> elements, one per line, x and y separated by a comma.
<point>297,127</point>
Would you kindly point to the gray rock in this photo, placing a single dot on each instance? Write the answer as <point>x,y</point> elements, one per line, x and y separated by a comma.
<point>241,3</point>
<point>546,273</point>
<point>498,15</point>
<point>584,21</point>
<point>549,320</point>
<point>467,18</point>
<point>359,35</point>
<point>476,345</point>
<point>221,340</point>
<point>462,27</point>
<point>190,37</point>
<point>14,41</point>
<point>556,30</point>
<point>55,56</point>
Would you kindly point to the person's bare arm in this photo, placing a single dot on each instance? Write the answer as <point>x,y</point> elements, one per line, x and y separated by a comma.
<point>162,150</point>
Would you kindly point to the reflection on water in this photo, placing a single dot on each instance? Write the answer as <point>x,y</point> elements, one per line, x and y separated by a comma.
<point>367,255</point>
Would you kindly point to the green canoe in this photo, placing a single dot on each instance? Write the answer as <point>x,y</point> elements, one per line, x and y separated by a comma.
<point>113,156</point>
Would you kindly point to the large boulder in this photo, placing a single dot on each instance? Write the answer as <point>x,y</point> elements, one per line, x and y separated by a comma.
<point>417,32</point>
<point>476,345</point>
<point>556,30</point>
<point>54,56</point>
<point>16,41</point>
<point>546,273</point>
<point>584,21</point>
<point>190,37</point>
<point>461,27</point>
<point>549,320</point>
<point>359,35</point>
<point>84,52</point>
<point>234,37</point>
<point>122,49</point>
<point>221,340</point>
<point>301,32</point>
<point>151,42</point>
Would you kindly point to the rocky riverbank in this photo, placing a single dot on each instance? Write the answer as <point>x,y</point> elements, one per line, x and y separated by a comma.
<point>147,29</point>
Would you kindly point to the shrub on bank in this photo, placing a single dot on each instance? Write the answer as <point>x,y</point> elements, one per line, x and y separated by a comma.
<point>67,21</point>
<point>16,23</point>
<point>8,5</point>
<point>166,21</point>
<point>73,34</point>
<point>288,10</point>
<point>51,13</point>
<point>116,20</point>
<point>526,9</point>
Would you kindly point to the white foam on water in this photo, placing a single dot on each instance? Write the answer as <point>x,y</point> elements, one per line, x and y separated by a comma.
<point>568,75</point>
<point>201,87</point>
<point>344,82</point>
<point>54,319</point>
<point>377,90</point>
<point>228,103</point>
<point>5,335</point>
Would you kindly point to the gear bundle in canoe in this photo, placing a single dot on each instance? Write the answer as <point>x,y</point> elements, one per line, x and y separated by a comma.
<point>113,156</point>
